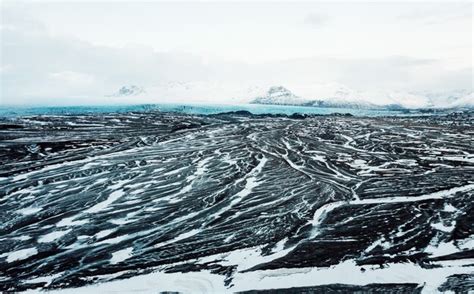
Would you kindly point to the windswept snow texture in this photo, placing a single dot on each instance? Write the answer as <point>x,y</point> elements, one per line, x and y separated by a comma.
<point>236,202</point>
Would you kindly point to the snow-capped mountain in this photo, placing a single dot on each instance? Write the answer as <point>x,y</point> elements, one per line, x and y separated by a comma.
<point>466,101</point>
<point>342,98</point>
<point>339,96</point>
<point>279,95</point>
<point>131,90</point>
<point>451,99</point>
<point>331,95</point>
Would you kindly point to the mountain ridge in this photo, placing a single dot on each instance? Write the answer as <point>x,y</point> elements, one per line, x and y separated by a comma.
<point>346,98</point>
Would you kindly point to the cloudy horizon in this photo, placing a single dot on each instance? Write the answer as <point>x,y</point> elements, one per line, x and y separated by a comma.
<point>58,53</point>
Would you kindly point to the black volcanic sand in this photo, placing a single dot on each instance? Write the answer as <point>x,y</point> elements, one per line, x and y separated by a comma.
<point>349,289</point>
<point>172,188</point>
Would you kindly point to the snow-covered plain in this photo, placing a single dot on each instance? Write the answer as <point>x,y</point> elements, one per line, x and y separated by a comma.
<point>149,202</point>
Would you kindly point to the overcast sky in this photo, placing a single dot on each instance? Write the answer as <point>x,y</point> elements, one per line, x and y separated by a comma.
<point>66,52</point>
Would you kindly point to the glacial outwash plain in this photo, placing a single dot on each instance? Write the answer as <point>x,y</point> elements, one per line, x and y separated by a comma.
<point>144,202</point>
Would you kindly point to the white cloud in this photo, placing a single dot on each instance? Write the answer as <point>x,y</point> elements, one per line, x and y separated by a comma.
<point>73,78</point>
<point>58,54</point>
<point>316,19</point>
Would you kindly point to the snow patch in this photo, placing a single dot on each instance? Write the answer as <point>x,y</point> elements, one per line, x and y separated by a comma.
<point>20,254</point>
<point>53,236</point>
<point>121,255</point>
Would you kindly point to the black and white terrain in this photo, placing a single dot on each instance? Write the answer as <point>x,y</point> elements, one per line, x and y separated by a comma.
<point>149,202</point>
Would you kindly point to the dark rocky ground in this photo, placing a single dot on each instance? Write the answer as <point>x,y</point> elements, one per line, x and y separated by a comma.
<point>91,198</point>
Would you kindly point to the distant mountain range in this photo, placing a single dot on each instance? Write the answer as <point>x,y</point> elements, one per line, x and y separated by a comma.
<point>345,98</point>
<point>454,99</point>
<point>130,90</point>
<point>279,96</point>
<point>331,95</point>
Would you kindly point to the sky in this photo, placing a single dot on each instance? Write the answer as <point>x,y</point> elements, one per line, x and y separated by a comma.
<point>83,52</point>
